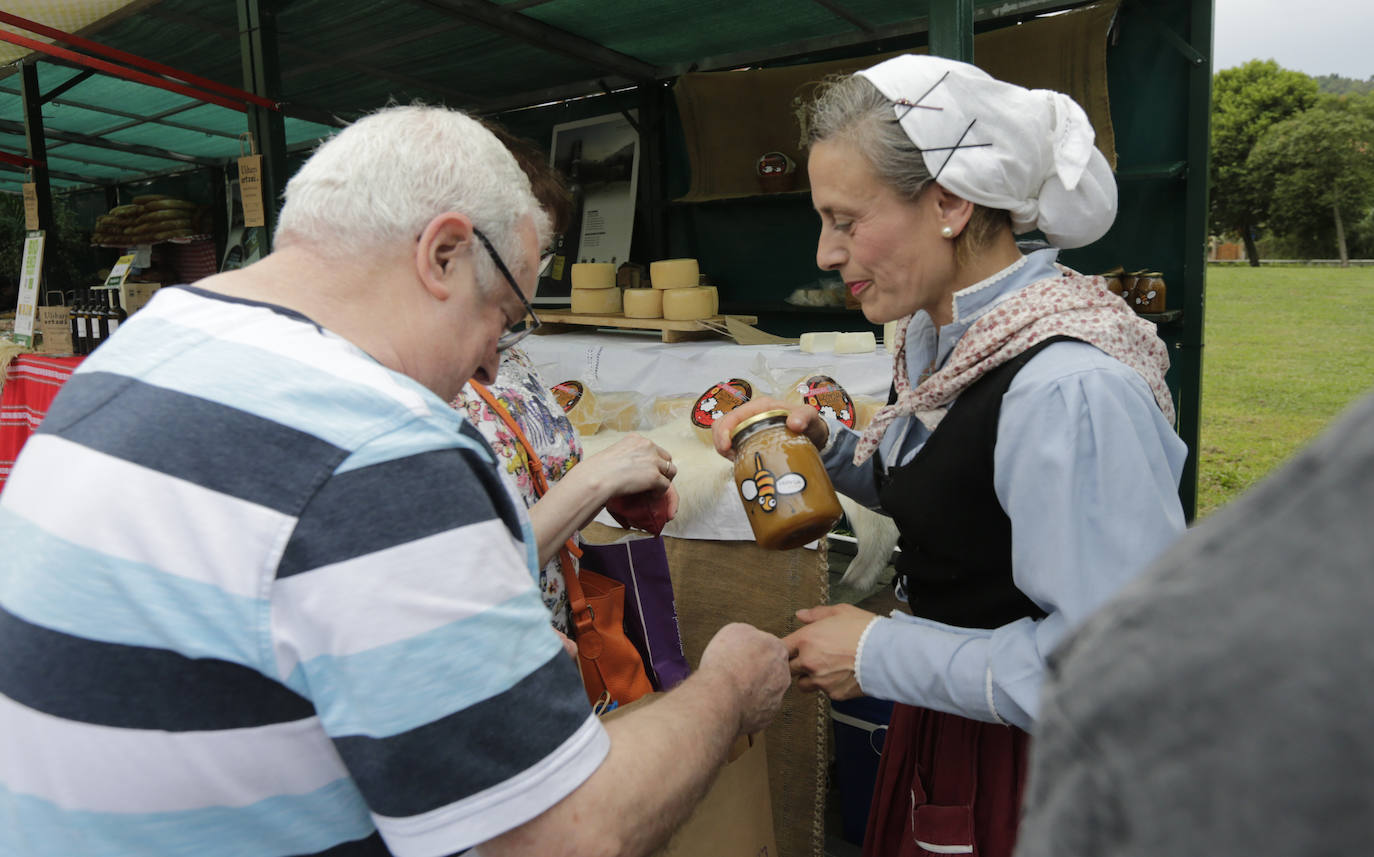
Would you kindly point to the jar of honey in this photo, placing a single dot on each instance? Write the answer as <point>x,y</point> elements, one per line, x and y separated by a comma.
<point>784,487</point>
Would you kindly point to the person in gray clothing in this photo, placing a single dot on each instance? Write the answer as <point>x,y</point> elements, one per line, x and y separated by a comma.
<point>1221,704</point>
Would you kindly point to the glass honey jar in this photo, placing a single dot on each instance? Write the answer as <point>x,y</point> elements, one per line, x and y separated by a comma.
<point>786,492</point>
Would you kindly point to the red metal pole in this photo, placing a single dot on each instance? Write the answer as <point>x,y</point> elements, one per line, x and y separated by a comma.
<point>135,60</point>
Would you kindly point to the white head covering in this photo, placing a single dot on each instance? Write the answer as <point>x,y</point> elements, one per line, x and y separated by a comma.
<point>1028,151</point>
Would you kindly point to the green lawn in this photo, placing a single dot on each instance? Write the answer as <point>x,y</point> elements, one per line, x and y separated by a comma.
<point>1287,349</point>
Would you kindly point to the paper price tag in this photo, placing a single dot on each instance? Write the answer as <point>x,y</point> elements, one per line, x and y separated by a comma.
<point>31,206</point>
<point>31,274</point>
<point>250,188</point>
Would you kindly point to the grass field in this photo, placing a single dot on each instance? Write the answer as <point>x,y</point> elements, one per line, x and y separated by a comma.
<point>1287,349</point>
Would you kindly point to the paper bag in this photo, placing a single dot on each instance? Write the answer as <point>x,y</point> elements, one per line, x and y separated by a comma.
<point>735,819</point>
<point>54,322</point>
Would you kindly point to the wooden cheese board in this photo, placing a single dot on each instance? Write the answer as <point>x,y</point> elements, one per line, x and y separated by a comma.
<point>564,320</point>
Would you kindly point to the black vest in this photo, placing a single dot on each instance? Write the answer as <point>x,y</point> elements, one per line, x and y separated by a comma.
<point>955,563</point>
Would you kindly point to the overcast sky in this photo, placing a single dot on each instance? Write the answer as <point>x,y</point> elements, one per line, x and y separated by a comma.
<point>1312,36</point>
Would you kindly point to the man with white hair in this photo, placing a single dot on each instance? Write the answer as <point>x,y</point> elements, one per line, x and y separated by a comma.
<point>262,591</point>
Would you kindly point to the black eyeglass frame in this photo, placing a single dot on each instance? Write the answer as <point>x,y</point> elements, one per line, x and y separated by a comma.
<point>510,337</point>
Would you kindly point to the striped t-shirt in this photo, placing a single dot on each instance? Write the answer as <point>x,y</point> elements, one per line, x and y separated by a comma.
<point>260,595</point>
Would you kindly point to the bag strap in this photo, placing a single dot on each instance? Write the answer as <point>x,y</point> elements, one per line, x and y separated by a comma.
<point>577,600</point>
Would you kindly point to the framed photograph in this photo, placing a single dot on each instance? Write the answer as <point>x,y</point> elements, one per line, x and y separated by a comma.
<point>599,158</point>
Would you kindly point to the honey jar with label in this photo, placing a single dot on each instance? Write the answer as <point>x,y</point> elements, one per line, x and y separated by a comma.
<point>786,492</point>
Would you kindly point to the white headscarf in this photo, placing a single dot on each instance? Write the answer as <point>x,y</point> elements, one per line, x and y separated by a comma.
<point>1028,151</point>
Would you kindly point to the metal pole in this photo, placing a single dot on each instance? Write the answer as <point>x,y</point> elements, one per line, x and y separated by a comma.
<point>951,29</point>
<point>37,147</point>
<point>262,76</point>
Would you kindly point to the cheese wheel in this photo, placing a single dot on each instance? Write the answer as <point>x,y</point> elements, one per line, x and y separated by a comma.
<point>825,395</point>
<point>593,275</point>
<point>818,343</point>
<point>864,410</point>
<point>687,304</point>
<point>675,274</point>
<point>580,406</point>
<point>890,343</point>
<point>618,411</point>
<point>596,301</point>
<point>718,400</point>
<point>643,303</point>
<point>670,410</point>
<point>855,343</point>
<point>715,299</point>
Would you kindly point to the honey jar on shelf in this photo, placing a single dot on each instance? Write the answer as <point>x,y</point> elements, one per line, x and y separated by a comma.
<point>786,492</point>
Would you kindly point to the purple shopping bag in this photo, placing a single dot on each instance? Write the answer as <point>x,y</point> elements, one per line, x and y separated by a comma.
<point>640,562</point>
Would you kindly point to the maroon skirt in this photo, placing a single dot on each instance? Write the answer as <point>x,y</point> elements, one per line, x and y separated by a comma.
<point>946,785</point>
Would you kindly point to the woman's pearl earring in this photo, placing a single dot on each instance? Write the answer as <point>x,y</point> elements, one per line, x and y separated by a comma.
<point>947,232</point>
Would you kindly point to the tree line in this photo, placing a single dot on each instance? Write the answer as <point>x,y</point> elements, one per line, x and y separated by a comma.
<point>1292,171</point>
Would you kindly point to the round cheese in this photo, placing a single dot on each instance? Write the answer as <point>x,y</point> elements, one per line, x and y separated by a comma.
<point>643,303</point>
<point>596,301</point>
<point>618,411</point>
<point>579,404</point>
<point>715,299</point>
<point>688,304</point>
<point>593,275</point>
<point>675,274</point>
<point>670,410</point>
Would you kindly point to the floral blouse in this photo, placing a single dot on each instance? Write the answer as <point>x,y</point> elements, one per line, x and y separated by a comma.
<point>527,398</point>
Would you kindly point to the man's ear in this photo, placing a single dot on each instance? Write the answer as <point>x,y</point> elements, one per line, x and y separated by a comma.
<point>445,243</point>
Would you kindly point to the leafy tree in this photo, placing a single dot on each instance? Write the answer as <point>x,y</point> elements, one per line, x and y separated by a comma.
<point>1337,85</point>
<point>1319,168</point>
<point>1246,102</point>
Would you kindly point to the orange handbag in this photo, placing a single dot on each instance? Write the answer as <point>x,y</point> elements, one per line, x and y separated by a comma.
<point>609,662</point>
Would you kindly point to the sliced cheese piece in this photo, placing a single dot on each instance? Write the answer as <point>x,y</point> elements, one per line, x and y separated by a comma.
<point>580,406</point>
<point>593,275</point>
<point>855,343</point>
<point>675,274</point>
<point>596,301</point>
<point>818,343</point>
<point>643,303</point>
<point>687,304</point>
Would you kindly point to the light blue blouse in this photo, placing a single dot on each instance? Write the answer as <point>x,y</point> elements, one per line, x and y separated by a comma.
<point>1087,469</point>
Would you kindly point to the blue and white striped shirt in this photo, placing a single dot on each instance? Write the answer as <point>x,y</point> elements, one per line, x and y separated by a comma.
<point>260,595</point>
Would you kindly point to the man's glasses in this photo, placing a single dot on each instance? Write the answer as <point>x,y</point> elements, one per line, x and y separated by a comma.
<point>530,322</point>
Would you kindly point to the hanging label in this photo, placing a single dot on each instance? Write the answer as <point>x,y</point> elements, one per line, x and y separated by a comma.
<point>31,274</point>
<point>31,206</point>
<point>250,188</point>
<point>120,272</point>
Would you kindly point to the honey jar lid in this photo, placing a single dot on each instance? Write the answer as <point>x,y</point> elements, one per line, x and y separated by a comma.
<point>756,419</point>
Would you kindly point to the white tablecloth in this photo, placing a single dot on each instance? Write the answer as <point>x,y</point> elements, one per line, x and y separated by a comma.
<point>639,363</point>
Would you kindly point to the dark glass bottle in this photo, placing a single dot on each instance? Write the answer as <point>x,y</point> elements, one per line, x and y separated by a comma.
<point>116,313</point>
<point>97,324</point>
<point>559,278</point>
<point>71,318</point>
<point>81,343</point>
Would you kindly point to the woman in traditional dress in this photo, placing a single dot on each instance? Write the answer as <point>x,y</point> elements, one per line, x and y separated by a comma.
<point>1028,455</point>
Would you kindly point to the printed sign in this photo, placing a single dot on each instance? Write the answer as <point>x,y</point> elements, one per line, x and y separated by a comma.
<point>30,276</point>
<point>31,206</point>
<point>250,187</point>
<point>120,272</point>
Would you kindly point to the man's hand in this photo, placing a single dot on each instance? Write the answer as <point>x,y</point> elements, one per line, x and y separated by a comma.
<point>822,652</point>
<point>755,664</point>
